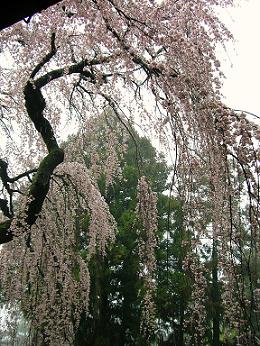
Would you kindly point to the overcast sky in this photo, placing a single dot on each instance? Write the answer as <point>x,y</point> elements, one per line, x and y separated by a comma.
<point>242,60</point>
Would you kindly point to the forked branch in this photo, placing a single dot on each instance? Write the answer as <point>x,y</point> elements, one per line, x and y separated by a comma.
<point>35,105</point>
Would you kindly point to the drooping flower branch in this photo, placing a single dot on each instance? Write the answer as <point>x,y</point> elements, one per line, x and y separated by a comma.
<point>51,278</point>
<point>159,64</point>
<point>147,213</point>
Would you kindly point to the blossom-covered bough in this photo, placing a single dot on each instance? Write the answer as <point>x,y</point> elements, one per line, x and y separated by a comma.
<point>154,61</point>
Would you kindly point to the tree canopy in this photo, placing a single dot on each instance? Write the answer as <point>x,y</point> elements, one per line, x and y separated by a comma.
<point>154,64</point>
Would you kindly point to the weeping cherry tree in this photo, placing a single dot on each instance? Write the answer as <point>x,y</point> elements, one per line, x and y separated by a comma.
<point>153,63</point>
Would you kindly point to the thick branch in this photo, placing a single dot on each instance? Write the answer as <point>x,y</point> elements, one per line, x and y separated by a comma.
<point>22,175</point>
<point>35,105</point>
<point>40,185</point>
<point>39,188</point>
<point>5,232</point>
<point>6,180</point>
<point>3,174</point>
<point>37,193</point>
<point>47,58</point>
<point>4,208</point>
<point>79,67</point>
<point>5,177</point>
<point>55,74</point>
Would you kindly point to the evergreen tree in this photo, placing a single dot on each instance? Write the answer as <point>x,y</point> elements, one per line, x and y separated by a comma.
<point>117,288</point>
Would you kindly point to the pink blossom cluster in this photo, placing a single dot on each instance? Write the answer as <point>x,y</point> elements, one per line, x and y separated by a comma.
<point>147,213</point>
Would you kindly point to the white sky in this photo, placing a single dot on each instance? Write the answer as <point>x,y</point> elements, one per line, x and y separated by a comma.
<point>241,63</point>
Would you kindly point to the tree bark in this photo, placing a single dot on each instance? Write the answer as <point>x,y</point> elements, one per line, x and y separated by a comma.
<point>35,104</point>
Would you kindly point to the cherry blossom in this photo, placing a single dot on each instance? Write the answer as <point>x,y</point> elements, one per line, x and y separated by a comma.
<point>153,63</point>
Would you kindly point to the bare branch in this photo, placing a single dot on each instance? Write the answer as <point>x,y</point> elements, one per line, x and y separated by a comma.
<point>47,58</point>
<point>79,67</point>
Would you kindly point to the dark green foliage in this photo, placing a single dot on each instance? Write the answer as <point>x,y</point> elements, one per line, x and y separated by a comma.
<point>116,288</point>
